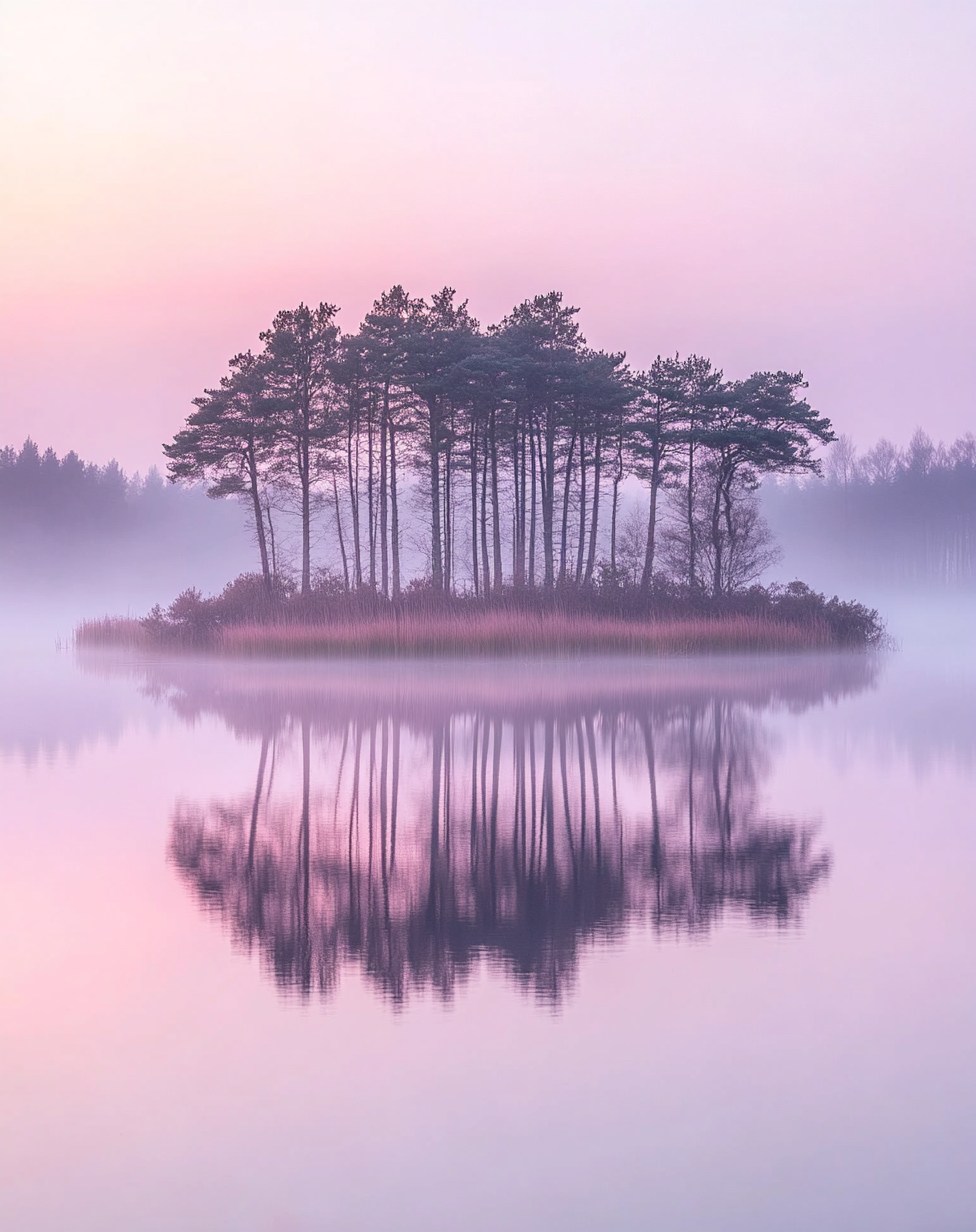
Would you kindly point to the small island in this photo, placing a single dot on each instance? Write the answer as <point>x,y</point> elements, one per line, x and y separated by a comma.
<point>428,486</point>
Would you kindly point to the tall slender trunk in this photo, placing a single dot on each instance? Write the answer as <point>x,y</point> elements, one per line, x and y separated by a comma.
<point>306,488</point>
<point>252,474</point>
<point>727,504</point>
<point>547,479</point>
<point>519,463</point>
<point>618,475</point>
<point>341,537</point>
<point>716,529</point>
<point>448,520</point>
<point>581,536</point>
<point>474,503</point>
<point>690,510</point>
<point>271,537</point>
<point>370,496</point>
<point>485,564</point>
<point>648,570</point>
<point>384,495</point>
<point>496,520</point>
<point>518,501</point>
<point>436,557</point>
<point>394,515</point>
<point>595,516</point>
<point>533,515</point>
<point>565,519</point>
<point>352,468</point>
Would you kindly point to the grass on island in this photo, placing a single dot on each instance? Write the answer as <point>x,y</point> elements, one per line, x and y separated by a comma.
<point>491,634</point>
<point>248,620</point>
<point>480,635</point>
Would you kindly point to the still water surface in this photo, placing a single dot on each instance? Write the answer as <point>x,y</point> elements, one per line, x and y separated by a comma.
<point>597,945</point>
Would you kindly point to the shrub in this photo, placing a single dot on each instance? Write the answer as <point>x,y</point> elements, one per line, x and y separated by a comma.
<point>569,618</point>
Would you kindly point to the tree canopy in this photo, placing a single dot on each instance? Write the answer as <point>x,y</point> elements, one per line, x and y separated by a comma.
<point>496,455</point>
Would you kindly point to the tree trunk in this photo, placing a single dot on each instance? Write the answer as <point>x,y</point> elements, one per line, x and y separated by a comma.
<point>520,505</point>
<point>565,518</point>
<point>730,529</point>
<point>547,479</point>
<point>394,515</point>
<point>436,558</point>
<point>306,531</point>
<point>614,509</point>
<point>581,536</point>
<point>370,497</point>
<point>595,518</point>
<point>690,515</point>
<point>648,570</point>
<point>384,497</point>
<point>474,504</point>
<point>533,515</point>
<point>252,471</point>
<point>448,518</point>
<point>271,537</point>
<point>716,528</point>
<point>485,566</point>
<point>352,471</point>
<point>496,519</point>
<point>341,537</point>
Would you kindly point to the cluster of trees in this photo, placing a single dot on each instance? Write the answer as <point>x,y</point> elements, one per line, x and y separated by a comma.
<point>70,497</point>
<point>513,443</point>
<point>49,491</point>
<point>68,522</point>
<point>902,514</point>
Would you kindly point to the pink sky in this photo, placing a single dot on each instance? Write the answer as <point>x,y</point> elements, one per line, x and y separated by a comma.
<point>774,184</point>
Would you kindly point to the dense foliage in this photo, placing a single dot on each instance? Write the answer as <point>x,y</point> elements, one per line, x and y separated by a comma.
<point>510,444</point>
<point>607,617</point>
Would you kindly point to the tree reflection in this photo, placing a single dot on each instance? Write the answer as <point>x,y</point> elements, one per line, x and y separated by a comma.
<point>412,834</point>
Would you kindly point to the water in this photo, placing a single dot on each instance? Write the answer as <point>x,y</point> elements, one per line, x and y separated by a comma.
<point>596,945</point>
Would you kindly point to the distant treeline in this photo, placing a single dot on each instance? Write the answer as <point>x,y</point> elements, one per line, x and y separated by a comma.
<point>898,515</point>
<point>67,519</point>
<point>498,456</point>
<point>66,494</point>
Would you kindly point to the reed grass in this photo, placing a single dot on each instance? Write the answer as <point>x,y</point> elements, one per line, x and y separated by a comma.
<point>113,631</point>
<point>507,634</point>
<point>478,635</point>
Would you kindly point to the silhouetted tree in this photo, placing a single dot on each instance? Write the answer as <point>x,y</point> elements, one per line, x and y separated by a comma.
<point>298,364</point>
<point>227,442</point>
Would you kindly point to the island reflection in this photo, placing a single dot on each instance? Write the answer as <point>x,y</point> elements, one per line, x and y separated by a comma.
<point>413,820</point>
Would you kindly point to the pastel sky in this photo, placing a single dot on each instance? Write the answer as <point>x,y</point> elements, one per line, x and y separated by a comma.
<point>773,183</point>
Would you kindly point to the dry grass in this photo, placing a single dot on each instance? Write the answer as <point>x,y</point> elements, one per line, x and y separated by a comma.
<point>481,635</point>
<point>113,631</point>
<point>506,634</point>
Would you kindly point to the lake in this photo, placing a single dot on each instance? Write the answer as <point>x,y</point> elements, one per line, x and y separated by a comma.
<point>572,945</point>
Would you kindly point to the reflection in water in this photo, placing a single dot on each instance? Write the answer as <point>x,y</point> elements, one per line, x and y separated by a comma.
<point>413,823</point>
